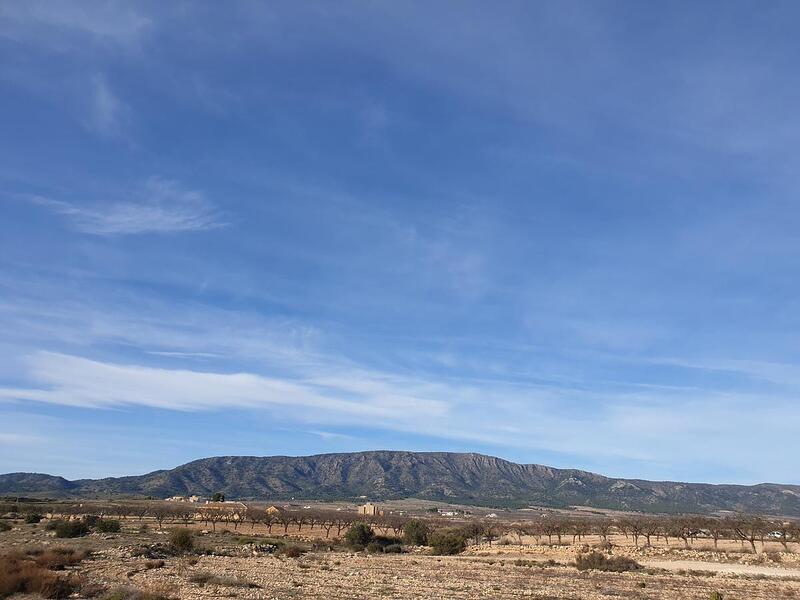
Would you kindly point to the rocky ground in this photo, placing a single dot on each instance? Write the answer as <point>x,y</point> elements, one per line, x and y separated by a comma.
<point>236,565</point>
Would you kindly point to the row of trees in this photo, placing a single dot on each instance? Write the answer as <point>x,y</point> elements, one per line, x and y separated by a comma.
<point>643,530</point>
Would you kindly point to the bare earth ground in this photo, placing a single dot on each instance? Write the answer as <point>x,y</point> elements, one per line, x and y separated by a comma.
<point>508,570</point>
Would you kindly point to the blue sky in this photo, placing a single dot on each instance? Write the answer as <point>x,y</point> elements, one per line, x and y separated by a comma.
<point>556,232</point>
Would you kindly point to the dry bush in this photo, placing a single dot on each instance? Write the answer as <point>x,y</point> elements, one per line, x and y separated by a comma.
<point>56,559</point>
<point>203,578</point>
<point>181,540</point>
<point>20,574</point>
<point>774,556</point>
<point>154,564</point>
<point>603,545</point>
<point>92,590</point>
<point>600,562</point>
<point>292,551</point>
<point>132,593</point>
<point>4,526</point>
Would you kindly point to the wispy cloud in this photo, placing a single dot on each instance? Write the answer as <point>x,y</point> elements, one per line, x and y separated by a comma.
<point>104,19</point>
<point>13,439</point>
<point>106,111</point>
<point>77,381</point>
<point>640,425</point>
<point>165,207</point>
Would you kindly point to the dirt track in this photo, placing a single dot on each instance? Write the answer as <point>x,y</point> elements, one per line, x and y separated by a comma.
<point>696,565</point>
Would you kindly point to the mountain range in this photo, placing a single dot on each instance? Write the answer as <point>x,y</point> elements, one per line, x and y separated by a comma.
<point>463,478</point>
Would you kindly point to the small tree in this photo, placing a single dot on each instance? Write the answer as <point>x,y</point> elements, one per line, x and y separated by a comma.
<point>218,497</point>
<point>447,542</point>
<point>359,535</point>
<point>415,533</point>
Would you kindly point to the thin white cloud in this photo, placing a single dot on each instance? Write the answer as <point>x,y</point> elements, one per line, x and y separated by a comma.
<point>13,439</point>
<point>108,20</point>
<point>330,435</point>
<point>637,426</point>
<point>106,112</point>
<point>171,354</point>
<point>166,207</point>
<point>76,381</point>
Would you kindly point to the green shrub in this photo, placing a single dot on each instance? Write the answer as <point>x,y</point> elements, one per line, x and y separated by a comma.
<point>374,547</point>
<point>71,529</point>
<point>51,525</point>
<point>91,520</point>
<point>108,526</point>
<point>415,533</point>
<point>181,540</point>
<point>4,526</point>
<point>447,542</point>
<point>600,562</point>
<point>32,518</point>
<point>393,549</point>
<point>359,535</point>
<point>716,596</point>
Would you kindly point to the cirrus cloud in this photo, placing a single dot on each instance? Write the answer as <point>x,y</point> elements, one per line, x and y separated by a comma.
<point>165,207</point>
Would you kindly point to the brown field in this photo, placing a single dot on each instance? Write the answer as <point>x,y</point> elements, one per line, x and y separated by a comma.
<point>230,563</point>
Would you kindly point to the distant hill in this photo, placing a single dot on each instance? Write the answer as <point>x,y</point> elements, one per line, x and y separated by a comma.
<point>383,475</point>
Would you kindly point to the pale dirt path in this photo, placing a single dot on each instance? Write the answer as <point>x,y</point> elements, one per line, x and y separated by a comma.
<point>697,565</point>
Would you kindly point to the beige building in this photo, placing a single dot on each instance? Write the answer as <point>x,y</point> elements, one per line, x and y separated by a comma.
<point>369,509</point>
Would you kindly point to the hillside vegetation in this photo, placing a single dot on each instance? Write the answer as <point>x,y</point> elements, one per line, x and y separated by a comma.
<point>382,475</point>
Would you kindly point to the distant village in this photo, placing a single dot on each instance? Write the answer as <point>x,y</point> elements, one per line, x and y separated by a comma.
<point>367,509</point>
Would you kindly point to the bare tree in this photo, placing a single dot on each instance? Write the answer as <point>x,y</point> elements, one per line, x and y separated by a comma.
<point>749,529</point>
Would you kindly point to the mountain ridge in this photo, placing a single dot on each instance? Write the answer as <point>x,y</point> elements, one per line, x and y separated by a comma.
<point>469,478</point>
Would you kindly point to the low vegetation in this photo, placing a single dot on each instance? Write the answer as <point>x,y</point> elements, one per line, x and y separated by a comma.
<point>601,562</point>
<point>359,536</point>
<point>108,526</point>
<point>415,532</point>
<point>160,544</point>
<point>181,540</point>
<point>448,542</point>
<point>34,572</point>
<point>203,578</point>
<point>132,593</point>
<point>69,529</point>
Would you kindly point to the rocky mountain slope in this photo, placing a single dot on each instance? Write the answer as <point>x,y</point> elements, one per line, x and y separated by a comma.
<point>381,475</point>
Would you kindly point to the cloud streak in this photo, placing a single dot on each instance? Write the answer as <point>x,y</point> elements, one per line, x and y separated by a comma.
<point>75,381</point>
<point>166,207</point>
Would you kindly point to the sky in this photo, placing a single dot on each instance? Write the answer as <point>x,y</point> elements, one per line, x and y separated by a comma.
<point>557,232</point>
